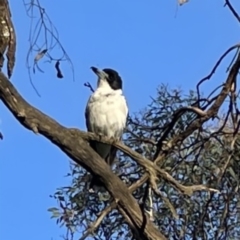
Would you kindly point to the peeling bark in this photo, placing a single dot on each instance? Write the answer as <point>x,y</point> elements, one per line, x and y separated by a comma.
<point>7,37</point>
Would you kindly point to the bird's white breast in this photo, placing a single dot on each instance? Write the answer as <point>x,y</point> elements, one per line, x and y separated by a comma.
<point>107,112</point>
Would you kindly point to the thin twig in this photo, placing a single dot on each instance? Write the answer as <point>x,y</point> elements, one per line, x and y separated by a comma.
<point>234,12</point>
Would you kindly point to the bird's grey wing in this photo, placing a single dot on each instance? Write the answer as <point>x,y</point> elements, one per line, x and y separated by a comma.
<point>87,119</point>
<point>89,127</point>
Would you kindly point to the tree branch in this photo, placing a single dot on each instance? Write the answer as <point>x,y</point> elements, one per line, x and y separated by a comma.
<point>210,113</point>
<point>151,168</point>
<point>79,151</point>
<point>7,37</point>
<point>234,12</point>
<point>236,46</point>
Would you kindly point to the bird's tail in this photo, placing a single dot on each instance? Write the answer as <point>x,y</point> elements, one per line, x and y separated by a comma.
<point>111,156</point>
<point>96,184</point>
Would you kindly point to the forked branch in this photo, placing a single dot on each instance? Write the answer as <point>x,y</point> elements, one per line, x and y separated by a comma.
<point>79,151</point>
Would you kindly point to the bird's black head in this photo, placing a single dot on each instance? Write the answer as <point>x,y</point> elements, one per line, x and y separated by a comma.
<point>111,76</point>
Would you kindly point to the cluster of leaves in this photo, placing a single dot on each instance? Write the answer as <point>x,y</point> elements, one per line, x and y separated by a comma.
<point>201,158</point>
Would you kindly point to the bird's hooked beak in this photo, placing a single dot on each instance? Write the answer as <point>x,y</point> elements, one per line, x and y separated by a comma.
<point>101,74</point>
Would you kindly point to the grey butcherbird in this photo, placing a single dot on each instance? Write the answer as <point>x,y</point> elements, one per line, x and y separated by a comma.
<point>106,114</point>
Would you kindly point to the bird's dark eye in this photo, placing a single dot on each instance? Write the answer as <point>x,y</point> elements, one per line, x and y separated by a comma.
<point>110,76</point>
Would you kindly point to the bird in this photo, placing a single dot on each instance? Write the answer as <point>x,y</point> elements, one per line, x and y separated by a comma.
<point>106,114</point>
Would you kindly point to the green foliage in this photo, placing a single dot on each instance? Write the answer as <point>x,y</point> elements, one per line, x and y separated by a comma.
<point>205,157</point>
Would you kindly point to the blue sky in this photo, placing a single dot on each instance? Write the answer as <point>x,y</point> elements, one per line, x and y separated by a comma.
<point>143,41</point>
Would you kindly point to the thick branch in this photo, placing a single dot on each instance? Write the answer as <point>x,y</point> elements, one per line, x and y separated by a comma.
<point>112,205</point>
<point>151,168</point>
<point>79,151</point>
